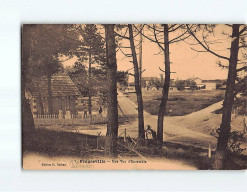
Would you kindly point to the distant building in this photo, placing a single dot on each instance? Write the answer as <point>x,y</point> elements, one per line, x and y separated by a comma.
<point>64,95</point>
<point>199,83</point>
<point>130,88</point>
<point>217,81</point>
<point>207,84</point>
<point>210,86</point>
<point>155,83</point>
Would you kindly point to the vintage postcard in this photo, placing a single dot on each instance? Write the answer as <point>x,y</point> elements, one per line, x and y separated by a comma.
<point>134,96</point>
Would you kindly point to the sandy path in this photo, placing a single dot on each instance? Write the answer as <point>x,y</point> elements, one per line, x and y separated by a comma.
<point>192,129</point>
<point>176,128</point>
<point>188,129</point>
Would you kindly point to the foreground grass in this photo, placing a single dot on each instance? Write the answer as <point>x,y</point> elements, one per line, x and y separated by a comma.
<point>58,143</point>
<point>54,143</point>
<point>181,103</point>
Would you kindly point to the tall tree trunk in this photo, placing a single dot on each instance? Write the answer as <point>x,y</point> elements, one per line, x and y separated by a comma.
<point>225,127</point>
<point>165,90</point>
<point>50,102</point>
<point>112,112</point>
<point>27,117</point>
<point>140,56</point>
<point>89,85</point>
<point>137,85</point>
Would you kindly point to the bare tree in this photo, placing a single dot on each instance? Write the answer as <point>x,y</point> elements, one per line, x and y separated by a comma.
<point>137,84</point>
<point>160,36</point>
<point>166,86</point>
<point>237,42</point>
<point>112,124</point>
<point>131,38</point>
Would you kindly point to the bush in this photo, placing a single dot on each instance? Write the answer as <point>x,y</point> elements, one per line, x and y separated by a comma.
<point>180,85</point>
<point>235,141</point>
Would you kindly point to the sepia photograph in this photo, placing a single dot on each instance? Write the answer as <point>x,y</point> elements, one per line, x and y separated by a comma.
<point>134,96</point>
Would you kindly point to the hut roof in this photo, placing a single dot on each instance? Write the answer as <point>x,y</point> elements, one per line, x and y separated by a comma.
<point>61,86</point>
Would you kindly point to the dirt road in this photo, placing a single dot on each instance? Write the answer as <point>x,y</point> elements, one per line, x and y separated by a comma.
<point>192,129</point>
<point>176,128</point>
<point>189,129</point>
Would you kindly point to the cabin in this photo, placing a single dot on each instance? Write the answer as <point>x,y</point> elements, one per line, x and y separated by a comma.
<point>64,95</point>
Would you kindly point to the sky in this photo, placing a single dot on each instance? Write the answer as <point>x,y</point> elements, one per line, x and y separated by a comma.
<point>185,62</point>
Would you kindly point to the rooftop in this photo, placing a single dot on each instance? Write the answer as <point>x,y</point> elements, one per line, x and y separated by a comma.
<point>61,86</point>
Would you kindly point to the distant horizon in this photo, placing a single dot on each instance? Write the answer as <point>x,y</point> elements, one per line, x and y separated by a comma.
<point>131,79</point>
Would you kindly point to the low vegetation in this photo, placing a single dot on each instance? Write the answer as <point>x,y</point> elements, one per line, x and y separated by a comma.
<point>59,143</point>
<point>180,102</point>
<point>56,143</point>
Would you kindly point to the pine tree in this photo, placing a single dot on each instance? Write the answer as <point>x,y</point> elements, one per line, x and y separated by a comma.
<point>92,49</point>
<point>112,123</point>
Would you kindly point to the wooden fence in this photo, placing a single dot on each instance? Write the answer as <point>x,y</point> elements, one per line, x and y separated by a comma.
<point>53,119</point>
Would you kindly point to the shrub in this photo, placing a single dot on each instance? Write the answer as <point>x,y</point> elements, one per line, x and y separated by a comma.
<point>235,141</point>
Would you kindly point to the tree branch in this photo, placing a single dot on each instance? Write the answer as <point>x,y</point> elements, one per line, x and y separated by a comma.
<point>157,40</point>
<point>122,36</point>
<point>244,29</point>
<point>165,71</point>
<point>174,29</point>
<point>176,38</point>
<point>147,36</point>
<point>243,68</point>
<point>207,49</point>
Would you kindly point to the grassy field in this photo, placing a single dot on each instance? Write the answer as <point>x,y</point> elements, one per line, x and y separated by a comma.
<point>180,102</point>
